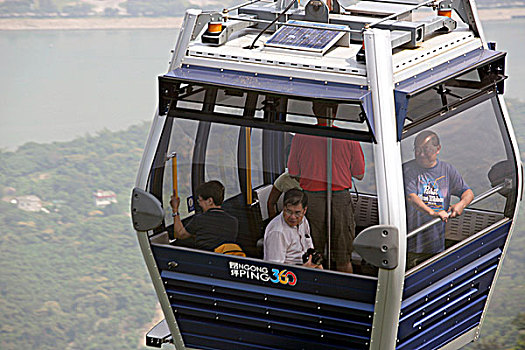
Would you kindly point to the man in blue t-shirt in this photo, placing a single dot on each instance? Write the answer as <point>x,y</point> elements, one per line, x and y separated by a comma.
<point>429,184</point>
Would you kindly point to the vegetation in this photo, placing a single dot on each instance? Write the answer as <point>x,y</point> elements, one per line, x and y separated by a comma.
<point>74,278</point>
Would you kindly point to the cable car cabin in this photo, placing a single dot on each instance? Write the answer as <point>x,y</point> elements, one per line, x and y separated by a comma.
<point>389,116</point>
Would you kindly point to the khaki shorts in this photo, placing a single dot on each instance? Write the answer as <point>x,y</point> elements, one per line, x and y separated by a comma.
<point>342,225</point>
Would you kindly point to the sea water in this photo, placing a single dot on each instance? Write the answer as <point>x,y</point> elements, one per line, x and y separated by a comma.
<point>58,85</point>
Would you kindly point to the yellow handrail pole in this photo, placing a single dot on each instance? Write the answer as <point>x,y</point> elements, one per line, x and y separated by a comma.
<point>174,176</point>
<point>248,167</point>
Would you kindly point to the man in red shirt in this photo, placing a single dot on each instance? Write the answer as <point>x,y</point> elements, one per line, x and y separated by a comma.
<point>308,162</point>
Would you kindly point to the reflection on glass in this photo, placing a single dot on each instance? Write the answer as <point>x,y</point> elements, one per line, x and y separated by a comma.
<point>454,165</point>
<point>221,157</point>
<point>317,164</point>
<point>182,143</point>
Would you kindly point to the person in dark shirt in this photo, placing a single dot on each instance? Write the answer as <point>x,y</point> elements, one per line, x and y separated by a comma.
<point>429,185</point>
<point>211,228</point>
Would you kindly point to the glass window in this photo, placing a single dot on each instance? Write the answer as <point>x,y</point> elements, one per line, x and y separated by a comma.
<point>221,151</point>
<point>455,90</point>
<point>467,152</point>
<point>221,157</point>
<point>181,142</point>
<point>191,96</point>
<point>344,115</point>
<point>250,108</point>
<point>256,146</point>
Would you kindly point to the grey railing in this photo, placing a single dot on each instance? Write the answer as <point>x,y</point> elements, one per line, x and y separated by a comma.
<point>477,199</point>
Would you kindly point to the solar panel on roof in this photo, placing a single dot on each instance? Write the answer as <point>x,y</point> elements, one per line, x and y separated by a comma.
<point>318,38</point>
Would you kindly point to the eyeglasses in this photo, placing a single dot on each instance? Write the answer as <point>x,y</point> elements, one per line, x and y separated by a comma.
<point>297,214</point>
<point>427,149</point>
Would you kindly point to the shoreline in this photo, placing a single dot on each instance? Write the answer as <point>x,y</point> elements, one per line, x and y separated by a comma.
<point>10,24</point>
<point>13,24</point>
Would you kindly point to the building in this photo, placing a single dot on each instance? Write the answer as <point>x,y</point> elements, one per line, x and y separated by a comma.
<point>104,198</point>
<point>29,203</point>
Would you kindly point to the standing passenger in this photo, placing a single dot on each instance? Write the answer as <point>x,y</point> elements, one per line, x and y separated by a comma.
<point>429,184</point>
<point>308,162</point>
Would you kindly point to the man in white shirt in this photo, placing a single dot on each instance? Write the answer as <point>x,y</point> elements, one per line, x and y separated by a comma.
<point>287,236</point>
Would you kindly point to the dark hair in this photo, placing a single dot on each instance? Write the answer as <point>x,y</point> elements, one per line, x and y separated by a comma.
<point>423,136</point>
<point>294,197</point>
<point>211,189</point>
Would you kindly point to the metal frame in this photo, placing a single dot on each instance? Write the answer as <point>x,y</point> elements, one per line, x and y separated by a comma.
<point>143,237</point>
<point>387,155</point>
<point>519,190</point>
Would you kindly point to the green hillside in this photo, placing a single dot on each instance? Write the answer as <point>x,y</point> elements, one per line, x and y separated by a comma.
<point>73,276</point>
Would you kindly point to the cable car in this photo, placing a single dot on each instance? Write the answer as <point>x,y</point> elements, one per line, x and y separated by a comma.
<point>241,89</point>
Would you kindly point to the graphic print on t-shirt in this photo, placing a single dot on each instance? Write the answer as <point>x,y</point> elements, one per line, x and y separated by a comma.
<point>430,192</point>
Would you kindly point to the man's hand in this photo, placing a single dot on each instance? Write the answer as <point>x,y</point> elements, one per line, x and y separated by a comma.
<point>456,209</point>
<point>309,263</point>
<point>174,202</point>
<point>443,215</point>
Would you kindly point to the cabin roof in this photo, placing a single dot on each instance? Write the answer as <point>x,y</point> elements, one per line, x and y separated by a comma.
<point>419,41</point>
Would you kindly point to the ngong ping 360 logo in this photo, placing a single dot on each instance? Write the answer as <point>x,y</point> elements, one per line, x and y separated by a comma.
<point>262,273</point>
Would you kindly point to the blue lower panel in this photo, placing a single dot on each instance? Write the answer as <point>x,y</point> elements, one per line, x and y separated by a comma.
<point>203,335</point>
<point>444,300</point>
<point>217,308</point>
<point>449,327</point>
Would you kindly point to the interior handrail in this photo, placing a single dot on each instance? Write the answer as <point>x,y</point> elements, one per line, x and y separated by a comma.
<point>482,196</point>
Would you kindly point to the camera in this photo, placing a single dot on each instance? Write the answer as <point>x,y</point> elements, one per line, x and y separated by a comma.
<point>317,258</point>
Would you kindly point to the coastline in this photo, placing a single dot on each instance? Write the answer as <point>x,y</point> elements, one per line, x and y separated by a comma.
<point>497,14</point>
<point>89,23</point>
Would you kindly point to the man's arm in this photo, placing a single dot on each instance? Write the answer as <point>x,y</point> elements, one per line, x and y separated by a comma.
<point>178,228</point>
<point>272,202</point>
<point>417,203</point>
<point>457,209</point>
<point>358,161</point>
